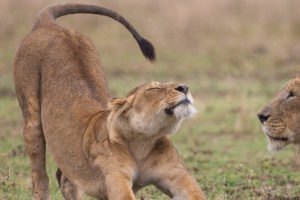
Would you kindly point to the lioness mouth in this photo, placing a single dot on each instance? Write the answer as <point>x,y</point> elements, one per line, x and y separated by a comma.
<point>278,138</point>
<point>170,110</point>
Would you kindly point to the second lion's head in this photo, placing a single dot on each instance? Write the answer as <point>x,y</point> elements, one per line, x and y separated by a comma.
<point>280,119</point>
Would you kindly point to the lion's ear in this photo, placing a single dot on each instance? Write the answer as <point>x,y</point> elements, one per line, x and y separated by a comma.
<point>116,103</point>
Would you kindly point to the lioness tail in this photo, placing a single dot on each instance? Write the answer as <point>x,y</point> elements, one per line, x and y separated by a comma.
<point>49,14</point>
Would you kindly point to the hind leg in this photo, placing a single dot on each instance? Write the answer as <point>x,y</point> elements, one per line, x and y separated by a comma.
<point>68,190</point>
<point>27,79</point>
<point>36,148</point>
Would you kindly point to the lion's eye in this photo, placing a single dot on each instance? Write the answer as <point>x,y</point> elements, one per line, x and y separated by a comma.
<point>154,88</point>
<point>290,95</point>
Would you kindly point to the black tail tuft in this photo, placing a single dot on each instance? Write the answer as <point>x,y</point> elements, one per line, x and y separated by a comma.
<point>147,49</point>
<point>58,176</point>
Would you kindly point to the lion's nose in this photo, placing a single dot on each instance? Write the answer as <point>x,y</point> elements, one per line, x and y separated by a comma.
<point>182,88</point>
<point>263,117</point>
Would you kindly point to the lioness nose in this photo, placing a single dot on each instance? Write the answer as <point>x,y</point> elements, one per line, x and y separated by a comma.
<point>263,117</point>
<point>182,88</point>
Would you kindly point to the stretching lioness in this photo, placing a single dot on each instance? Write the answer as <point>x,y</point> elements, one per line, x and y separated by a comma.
<point>281,118</point>
<point>107,148</point>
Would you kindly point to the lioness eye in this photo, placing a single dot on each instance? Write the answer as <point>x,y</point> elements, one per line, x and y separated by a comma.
<point>291,94</point>
<point>154,88</point>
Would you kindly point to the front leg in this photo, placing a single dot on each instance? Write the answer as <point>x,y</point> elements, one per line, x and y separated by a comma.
<point>179,184</point>
<point>119,187</point>
<point>118,170</point>
<point>166,170</point>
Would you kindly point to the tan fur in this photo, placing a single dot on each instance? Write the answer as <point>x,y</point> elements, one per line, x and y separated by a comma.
<point>282,126</point>
<point>107,148</point>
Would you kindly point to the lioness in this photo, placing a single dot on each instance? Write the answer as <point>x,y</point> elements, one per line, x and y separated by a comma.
<point>107,148</point>
<point>280,119</point>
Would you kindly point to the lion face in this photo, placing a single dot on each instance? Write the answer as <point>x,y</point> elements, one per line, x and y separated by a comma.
<point>281,119</point>
<point>153,108</point>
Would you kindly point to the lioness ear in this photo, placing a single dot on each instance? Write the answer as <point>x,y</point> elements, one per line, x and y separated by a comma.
<point>116,103</point>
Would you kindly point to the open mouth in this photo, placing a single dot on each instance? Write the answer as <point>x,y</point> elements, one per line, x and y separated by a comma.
<point>170,110</point>
<point>284,139</point>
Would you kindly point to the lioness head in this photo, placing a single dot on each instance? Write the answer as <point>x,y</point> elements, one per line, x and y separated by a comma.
<point>152,108</point>
<point>281,118</point>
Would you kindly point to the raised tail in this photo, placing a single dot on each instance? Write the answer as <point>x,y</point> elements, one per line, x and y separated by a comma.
<point>49,14</point>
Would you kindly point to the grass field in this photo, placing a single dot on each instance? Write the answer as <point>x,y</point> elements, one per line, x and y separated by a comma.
<point>235,55</point>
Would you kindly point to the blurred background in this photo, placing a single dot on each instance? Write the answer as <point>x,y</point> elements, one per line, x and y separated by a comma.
<point>235,55</point>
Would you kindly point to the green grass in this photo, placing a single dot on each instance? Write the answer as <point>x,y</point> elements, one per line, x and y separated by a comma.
<point>234,57</point>
<point>223,147</point>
